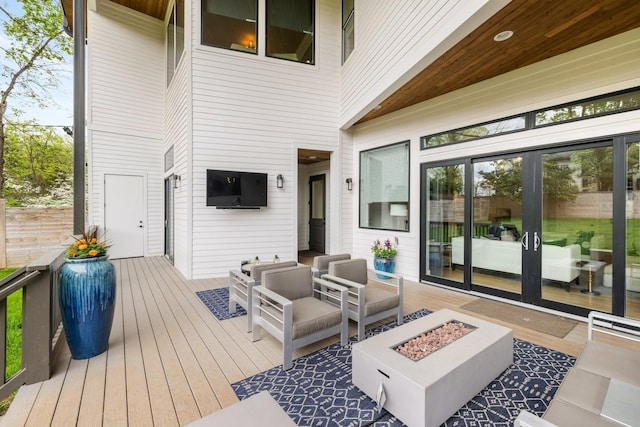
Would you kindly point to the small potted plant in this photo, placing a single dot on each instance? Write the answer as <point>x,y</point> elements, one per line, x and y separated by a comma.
<point>384,255</point>
<point>86,294</point>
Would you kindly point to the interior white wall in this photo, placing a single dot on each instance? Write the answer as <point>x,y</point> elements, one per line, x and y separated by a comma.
<point>600,68</point>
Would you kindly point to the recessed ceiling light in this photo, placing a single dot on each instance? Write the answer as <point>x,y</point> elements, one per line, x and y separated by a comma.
<point>502,36</point>
<point>312,157</point>
<point>377,107</point>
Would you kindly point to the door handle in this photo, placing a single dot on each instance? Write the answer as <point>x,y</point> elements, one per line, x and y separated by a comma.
<point>140,225</point>
<point>536,241</point>
<point>525,241</point>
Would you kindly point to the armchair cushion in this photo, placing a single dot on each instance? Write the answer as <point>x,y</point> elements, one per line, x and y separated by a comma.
<point>311,315</point>
<point>257,270</point>
<point>377,300</point>
<point>292,282</point>
<point>370,299</point>
<point>354,270</point>
<point>321,263</point>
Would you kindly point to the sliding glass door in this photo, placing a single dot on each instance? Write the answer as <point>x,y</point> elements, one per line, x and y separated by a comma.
<point>443,231</point>
<point>538,227</point>
<point>496,251</point>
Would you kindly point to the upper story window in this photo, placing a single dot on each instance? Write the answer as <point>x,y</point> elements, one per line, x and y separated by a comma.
<point>290,30</point>
<point>384,187</point>
<point>347,29</point>
<point>230,24</point>
<point>174,38</point>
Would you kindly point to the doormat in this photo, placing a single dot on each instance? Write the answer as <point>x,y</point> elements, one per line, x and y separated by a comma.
<point>317,391</point>
<point>550,324</point>
<point>217,301</point>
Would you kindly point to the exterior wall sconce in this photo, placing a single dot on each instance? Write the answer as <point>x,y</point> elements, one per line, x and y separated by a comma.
<point>349,182</point>
<point>176,179</point>
<point>279,181</point>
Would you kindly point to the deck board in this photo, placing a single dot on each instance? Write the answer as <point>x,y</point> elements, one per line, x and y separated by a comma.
<point>170,361</point>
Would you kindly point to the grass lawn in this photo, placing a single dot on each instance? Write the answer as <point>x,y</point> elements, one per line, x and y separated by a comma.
<point>14,334</point>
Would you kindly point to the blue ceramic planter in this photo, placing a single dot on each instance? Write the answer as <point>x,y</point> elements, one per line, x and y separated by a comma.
<point>87,295</point>
<point>384,264</point>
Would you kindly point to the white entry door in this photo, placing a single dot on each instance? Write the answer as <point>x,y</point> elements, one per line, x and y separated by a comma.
<point>124,215</point>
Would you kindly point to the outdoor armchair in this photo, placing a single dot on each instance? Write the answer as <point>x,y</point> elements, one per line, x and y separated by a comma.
<point>286,305</point>
<point>321,263</point>
<point>370,299</point>
<point>241,286</point>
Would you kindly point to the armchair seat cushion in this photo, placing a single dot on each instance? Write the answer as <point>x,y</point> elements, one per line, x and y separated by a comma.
<point>309,314</point>
<point>377,300</point>
<point>596,356</point>
<point>584,389</point>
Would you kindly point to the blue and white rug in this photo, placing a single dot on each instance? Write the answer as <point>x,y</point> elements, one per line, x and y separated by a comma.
<point>217,301</point>
<point>318,391</point>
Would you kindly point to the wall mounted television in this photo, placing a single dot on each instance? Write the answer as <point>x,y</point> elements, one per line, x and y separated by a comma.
<point>236,190</point>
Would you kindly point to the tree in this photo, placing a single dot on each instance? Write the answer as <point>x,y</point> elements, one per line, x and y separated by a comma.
<point>36,46</point>
<point>596,166</point>
<point>38,166</point>
<point>505,179</point>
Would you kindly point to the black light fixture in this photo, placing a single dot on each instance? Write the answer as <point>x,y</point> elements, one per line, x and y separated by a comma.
<point>176,179</point>
<point>279,181</point>
<point>349,182</point>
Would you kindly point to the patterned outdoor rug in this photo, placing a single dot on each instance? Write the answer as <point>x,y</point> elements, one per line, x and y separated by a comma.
<point>217,301</point>
<point>318,391</point>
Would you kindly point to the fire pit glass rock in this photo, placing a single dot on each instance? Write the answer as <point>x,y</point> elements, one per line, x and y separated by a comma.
<point>430,341</point>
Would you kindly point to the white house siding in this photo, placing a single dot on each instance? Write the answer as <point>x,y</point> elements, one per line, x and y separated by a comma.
<point>395,40</point>
<point>178,134</point>
<point>252,113</point>
<point>126,85</point>
<point>349,211</point>
<point>603,67</point>
<point>178,130</point>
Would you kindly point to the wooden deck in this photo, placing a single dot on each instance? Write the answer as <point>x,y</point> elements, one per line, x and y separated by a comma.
<point>170,361</point>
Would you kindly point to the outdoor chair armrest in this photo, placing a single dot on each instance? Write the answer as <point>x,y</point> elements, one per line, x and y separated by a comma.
<point>324,284</point>
<point>240,276</point>
<point>342,281</point>
<point>267,296</point>
<point>621,327</point>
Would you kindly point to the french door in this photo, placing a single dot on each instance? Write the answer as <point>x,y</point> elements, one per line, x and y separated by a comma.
<point>536,226</point>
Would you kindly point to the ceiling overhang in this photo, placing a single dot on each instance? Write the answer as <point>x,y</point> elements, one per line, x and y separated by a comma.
<point>541,29</point>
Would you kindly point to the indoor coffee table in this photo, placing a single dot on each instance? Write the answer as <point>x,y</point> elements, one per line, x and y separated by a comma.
<point>428,391</point>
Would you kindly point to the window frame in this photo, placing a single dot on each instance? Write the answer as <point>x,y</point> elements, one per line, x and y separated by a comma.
<point>530,118</point>
<point>313,34</point>
<point>406,145</point>
<point>247,49</point>
<point>346,22</point>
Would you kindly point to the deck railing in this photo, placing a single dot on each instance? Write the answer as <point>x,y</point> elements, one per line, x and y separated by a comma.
<point>41,321</point>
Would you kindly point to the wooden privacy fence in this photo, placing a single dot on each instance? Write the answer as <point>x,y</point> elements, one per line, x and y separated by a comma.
<point>28,233</point>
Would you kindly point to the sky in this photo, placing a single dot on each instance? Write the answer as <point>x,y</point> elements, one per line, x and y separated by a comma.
<point>59,113</point>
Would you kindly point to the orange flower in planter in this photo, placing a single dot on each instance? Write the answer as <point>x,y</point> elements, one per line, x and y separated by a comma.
<point>88,245</point>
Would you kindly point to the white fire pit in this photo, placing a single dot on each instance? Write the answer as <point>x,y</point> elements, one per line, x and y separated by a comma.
<point>425,390</point>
